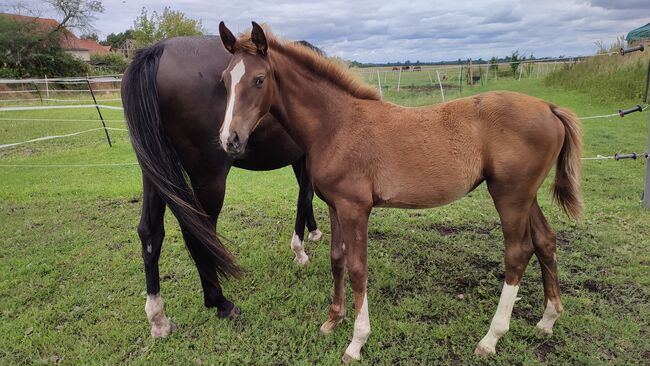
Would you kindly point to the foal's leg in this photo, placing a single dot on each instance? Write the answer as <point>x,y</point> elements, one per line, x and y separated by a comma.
<point>304,214</point>
<point>514,210</point>
<point>151,232</point>
<point>353,221</point>
<point>337,254</point>
<point>544,240</point>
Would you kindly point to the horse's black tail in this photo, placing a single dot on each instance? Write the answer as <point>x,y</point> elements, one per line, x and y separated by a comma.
<point>159,160</point>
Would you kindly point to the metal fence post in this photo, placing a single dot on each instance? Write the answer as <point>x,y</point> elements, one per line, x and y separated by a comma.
<point>108,138</point>
<point>646,189</point>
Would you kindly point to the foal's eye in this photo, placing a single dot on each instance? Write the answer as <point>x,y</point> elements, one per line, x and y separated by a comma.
<point>259,81</point>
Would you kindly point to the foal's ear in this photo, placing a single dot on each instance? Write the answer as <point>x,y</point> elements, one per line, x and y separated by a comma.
<point>259,39</point>
<point>227,38</point>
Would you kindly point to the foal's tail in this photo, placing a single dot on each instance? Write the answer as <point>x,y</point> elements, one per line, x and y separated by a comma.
<point>159,160</point>
<point>566,189</point>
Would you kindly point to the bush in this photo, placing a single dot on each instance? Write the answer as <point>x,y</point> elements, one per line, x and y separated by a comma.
<point>7,73</point>
<point>54,64</point>
<point>112,61</point>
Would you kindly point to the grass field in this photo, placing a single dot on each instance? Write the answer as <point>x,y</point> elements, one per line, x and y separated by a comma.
<point>72,284</point>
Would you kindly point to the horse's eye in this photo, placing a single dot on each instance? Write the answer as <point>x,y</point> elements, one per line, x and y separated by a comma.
<point>259,81</point>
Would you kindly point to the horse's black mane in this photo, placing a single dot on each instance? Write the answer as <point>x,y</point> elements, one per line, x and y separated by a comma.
<point>311,46</point>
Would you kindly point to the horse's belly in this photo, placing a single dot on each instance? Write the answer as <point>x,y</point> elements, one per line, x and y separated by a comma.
<point>420,196</point>
<point>430,186</point>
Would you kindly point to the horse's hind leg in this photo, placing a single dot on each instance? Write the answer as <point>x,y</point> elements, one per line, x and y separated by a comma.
<point>304,214</point>
<point>513,204</point>
<point>210,190</point>
<point>151,232</point>
<point>544,240</point>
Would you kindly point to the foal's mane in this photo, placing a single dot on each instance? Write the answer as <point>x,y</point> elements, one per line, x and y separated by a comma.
<point>328,69</point>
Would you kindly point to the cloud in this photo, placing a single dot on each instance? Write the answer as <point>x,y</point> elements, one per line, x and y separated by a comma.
<point>416,30</point>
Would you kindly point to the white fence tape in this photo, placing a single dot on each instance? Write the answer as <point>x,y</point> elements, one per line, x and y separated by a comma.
<point>66,165</point>
<point>56,120</point>
<point>56,100</point>
<point>60,136</point>
<point>11,109</point>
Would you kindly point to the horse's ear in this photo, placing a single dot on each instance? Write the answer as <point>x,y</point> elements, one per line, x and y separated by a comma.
<point>227,38</point>
<point>259,39</point>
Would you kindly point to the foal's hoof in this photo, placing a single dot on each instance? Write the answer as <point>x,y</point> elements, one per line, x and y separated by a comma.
<point>231,313</point>
<point>484,351</point>
<point>162,330</point>
<point>315,235</point>
<point>302,260</point>
<point>329,325</point>
<point>545,331</point>
<point>347,358</point>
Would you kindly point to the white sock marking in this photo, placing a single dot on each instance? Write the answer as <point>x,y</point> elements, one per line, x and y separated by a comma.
<point>155,309</point>
<point>548,319</point>
<point>235,76</point>
<point>501,321</point>
<point>361,331</point>
<point>299,249</point>
<point>315,235</point>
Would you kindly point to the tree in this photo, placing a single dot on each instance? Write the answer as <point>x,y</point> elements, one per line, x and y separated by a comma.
<point>77,14</point>
<point>91,36</point>
<point>150,29</point>
<point>117,40</point>
<point>30,51</point>
<point>515,59</point>
<point>494,63</point>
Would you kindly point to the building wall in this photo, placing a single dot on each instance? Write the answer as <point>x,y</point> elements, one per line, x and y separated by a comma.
<point>80,54</point>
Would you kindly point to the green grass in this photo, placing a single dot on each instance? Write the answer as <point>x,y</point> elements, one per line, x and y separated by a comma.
<point>72,285</point>
<point>605,78</point>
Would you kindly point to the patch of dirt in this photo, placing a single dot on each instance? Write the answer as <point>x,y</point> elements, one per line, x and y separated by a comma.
<point>447,229</point>
<point>547,347</point>
<point>627,295</point>
<point>117,202</point>
<point>407,288</point>
<point>566,238</point>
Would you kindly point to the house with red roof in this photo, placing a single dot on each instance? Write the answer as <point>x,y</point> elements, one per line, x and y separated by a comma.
<point>80,48</point>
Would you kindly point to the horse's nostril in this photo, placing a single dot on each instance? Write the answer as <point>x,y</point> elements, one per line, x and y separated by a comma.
<point>233,141</point>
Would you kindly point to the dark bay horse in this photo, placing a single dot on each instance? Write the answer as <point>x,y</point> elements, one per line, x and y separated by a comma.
<point>364,153</point>
<point>174,101</point>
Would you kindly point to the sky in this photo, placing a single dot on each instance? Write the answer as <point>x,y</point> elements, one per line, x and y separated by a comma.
<point>390,30</point>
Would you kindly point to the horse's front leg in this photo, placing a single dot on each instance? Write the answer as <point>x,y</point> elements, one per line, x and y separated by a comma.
<point>353,220</point>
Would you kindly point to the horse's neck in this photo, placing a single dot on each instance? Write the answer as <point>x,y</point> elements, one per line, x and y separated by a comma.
<point>308,106</point>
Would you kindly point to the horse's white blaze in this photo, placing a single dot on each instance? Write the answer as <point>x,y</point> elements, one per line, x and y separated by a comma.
<point>236,74</point>
<point>361,331</point>
<point>155,309</point>
<point>298,248</point>
<point>501,321</point>
<point>548,319</point>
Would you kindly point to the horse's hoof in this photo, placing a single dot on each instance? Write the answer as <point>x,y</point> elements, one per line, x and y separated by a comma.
<point>315,235</point>
<point>231,313</point>
<point>163,330</point>
<point>347,358</point>
<point>545,331</point>
<point>302,261</point>
<point>329,325</point>
<point>484,351</point>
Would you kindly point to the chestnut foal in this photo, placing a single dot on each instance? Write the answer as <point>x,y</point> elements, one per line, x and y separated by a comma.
<point>363,152</point>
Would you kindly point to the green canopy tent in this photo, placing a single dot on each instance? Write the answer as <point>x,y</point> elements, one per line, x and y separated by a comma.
<point>638,35</point>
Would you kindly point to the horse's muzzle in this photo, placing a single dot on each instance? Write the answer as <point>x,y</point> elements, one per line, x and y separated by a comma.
<point>234,145</point>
